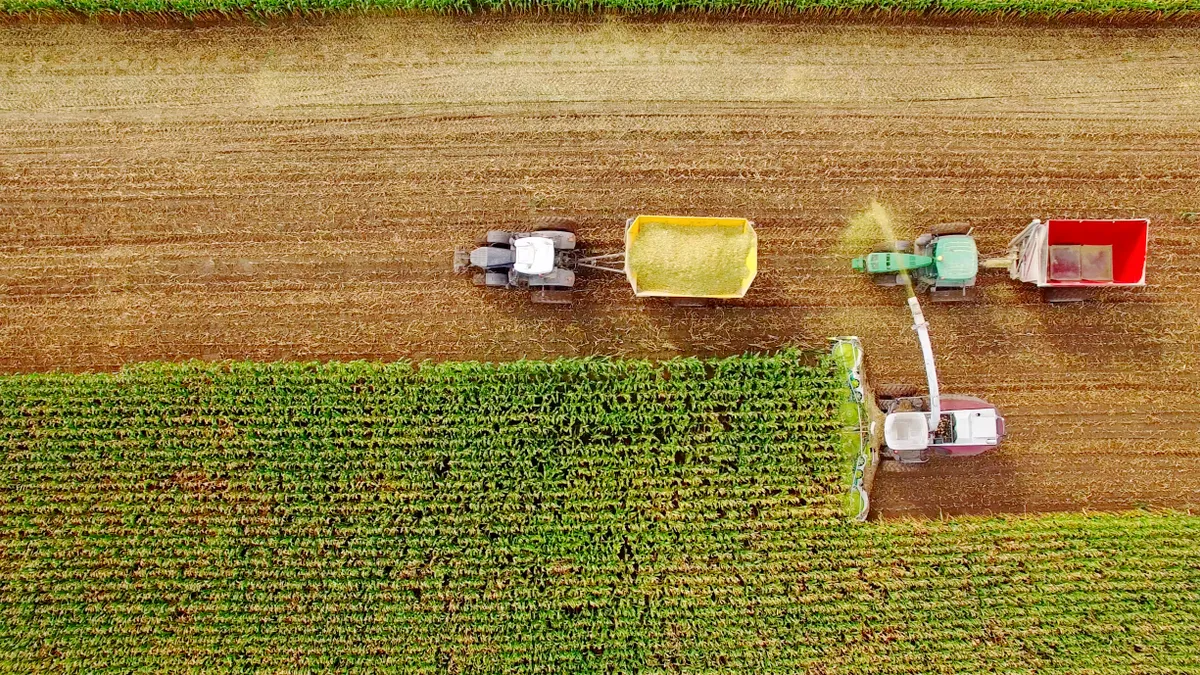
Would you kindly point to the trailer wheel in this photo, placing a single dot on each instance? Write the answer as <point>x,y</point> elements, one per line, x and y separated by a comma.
<point>895,390</point>
<point>943,229</point>
<point>689,302</point>
<point>561,223</point>
<point>1064,295</point>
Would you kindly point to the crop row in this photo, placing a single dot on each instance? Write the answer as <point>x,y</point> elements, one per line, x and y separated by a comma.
<point>575,516</point>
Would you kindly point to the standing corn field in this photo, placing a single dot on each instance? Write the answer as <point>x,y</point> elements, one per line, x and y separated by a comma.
<point>574,516</point>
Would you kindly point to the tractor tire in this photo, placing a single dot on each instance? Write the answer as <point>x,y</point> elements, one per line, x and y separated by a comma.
<point>893,247</point>
<point>942,229</point>
<point>497,238</point>
<point>1065,295</point>
<point>560,223</point>
<point>895,390</point>
<point>952,295</point>
<point>479,279</point>
<point>551,296</point>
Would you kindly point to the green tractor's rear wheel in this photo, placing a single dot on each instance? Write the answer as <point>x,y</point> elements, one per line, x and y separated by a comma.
<point>893,247</point>
<point>953,294</point>
<point>942,229</point>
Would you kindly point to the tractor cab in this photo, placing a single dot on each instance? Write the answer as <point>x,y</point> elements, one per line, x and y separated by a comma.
<point>533,255</point>
<point>955,259</point>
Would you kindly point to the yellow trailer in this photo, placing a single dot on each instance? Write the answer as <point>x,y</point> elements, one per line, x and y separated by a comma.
<point>685,257</point>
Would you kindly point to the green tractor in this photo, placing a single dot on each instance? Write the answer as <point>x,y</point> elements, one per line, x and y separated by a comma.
<point>943,261</point>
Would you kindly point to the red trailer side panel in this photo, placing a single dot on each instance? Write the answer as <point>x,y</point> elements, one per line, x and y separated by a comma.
<point>1128,239</point>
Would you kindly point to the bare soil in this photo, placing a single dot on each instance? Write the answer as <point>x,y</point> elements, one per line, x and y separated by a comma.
<point>295,192</point>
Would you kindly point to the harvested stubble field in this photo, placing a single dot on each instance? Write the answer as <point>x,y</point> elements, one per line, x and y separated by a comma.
<point>589,516</point>
<point>295,191</point>
<point>1121,10</point>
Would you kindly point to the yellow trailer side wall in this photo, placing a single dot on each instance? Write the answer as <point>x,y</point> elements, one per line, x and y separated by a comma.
<point>748,266</point>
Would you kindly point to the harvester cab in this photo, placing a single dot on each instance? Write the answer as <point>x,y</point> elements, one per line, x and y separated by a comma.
<point>906,431</point>
<point>944,261</point>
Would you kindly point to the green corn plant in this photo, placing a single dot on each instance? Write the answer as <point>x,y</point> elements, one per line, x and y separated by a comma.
<point>582,515</point>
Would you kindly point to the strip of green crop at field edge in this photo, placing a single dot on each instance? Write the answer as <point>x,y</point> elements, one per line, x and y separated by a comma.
<point>293,7</point>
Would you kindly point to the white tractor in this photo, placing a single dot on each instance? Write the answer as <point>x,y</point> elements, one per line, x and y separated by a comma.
<point>542,261</point>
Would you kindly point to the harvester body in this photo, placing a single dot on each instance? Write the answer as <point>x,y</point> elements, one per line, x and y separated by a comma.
<point>917,427</point>
<point>966,426</point>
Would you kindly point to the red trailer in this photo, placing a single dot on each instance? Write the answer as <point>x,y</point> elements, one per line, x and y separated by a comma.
<point>1068,259</point>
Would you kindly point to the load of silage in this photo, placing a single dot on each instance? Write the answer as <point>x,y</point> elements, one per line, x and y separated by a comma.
<point>690,260</point>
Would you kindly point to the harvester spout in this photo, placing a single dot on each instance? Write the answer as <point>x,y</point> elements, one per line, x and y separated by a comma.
<point>922,328</point>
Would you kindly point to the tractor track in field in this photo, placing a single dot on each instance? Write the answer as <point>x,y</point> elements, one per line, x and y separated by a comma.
<point>294,192</point>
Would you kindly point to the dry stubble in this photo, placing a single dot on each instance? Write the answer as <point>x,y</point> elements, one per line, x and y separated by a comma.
<point>295,191</point>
